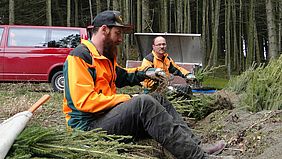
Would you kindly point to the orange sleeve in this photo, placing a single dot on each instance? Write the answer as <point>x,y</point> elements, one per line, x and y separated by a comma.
<point>82,92</point>
<point>181,69</point>
<point>146,64</point>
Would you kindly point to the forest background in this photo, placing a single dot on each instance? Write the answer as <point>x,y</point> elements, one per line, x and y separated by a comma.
<point>234,33</point>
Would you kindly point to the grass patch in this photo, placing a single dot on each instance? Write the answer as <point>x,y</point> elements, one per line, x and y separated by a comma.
<point>215,82</point>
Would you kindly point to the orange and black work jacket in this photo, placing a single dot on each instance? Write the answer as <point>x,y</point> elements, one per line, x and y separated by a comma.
<point>90,84</point>
<point>167,64</point>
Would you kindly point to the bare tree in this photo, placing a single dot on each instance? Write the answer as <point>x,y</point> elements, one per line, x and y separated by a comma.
<point>215,26</point>
<point>76,22</point>
<point>138,16</point>
<point>227,37</point>
<point>48,12</point>
<point>250,34</point>
<point>187,17</point>
<point>271,29</point>
<point>90,10</point>
<point>179,11</point>
<point>127,20</point>
<point>11,12</point>
<point>165,16</point>
<point>204,33</point>
<point>280,27</point>
<point>116,5</point>
<point>146,23</point>
<point>241,62</point>
<point>68,13</point>
<point>98,6</point>
<point>197,17</point>
<point>235,49</point>
<point>108,4</point>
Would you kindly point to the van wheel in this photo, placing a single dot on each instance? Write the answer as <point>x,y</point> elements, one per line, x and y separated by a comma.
<point>57,81</point>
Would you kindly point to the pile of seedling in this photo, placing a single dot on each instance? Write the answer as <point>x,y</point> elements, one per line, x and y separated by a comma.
<point>260,87</point>
<point>191,106</point>
<point>38,142</point>
<point>200,106</point>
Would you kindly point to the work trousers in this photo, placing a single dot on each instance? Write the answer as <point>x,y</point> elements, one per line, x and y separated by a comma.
<point>152,116</point>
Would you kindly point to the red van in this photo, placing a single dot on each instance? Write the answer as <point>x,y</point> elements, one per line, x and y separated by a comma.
<point>36,53</point>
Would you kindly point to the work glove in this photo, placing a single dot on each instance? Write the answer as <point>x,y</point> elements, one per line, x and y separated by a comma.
<point>190,77</point>
<point>155,74</point>
<point>133,95</point>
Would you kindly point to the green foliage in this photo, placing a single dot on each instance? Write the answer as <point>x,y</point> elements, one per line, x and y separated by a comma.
<point>212,76</point>
<point>200,106</point>
<point>38,142</point>
<point>201,73</point>
<point>260,87</point>
<point>239,83</point>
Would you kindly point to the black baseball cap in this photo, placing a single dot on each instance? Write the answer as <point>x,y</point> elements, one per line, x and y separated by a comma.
<point>111,19</point>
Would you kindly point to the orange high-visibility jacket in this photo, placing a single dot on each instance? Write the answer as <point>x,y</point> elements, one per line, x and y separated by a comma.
<point>90,84</point>
<point>167,64</point>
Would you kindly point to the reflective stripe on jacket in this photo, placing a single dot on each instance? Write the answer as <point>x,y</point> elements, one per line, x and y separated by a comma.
<point>90,84</point>
<point>167,64</point>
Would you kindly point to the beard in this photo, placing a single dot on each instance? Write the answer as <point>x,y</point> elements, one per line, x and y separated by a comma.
<point>110,48</point>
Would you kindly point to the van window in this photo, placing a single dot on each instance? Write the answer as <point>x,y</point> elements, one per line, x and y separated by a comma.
<point>1,33</point>
<point>27,37</point>
<point>64,38</point>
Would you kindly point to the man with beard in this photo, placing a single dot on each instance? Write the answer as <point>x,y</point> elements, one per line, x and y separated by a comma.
<point>159,58</point>
<point>90,99</point>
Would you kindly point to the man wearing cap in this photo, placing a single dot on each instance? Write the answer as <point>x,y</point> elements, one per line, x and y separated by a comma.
<point>90,99</point>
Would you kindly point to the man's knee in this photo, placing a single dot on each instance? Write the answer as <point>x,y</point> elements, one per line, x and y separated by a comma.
<point>145,98</point>
<point>146,102</point>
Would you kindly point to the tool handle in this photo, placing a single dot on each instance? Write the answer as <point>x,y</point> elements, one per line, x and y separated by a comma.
<point>41,101</point>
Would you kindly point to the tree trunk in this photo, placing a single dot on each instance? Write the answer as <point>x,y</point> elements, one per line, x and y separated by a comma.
<point>115,5</point>
<point>138,16</point>
<point>171,16</point>
<point>90,11</point>
<point>165,16</point>
<point>271,29</point>
<point>215,26</point>
<point>197,17</point>
<point>76,21</point>
<point>241,66</point>
<point>235,43</point>
<point>11,12</point>
<point>187,17</point>
<point>108,4</point>
<point>98,6</point>
<point>258,54</point>
<point>204,35</point>
<point>146,23</point>
<point>227,37</point>
<point>68,13</point>
<point>48,12</point>
<point>208,29</point>
<point>59,13</point>
<point>179,11</point>
<point>280,27</point>
<point>250,40</point>
<point>127,20</point>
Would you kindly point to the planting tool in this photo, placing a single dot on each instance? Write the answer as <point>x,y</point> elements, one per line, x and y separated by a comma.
<point>12,127</point>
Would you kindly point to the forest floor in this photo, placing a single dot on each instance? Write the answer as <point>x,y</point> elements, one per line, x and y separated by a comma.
<point>249,135</point>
